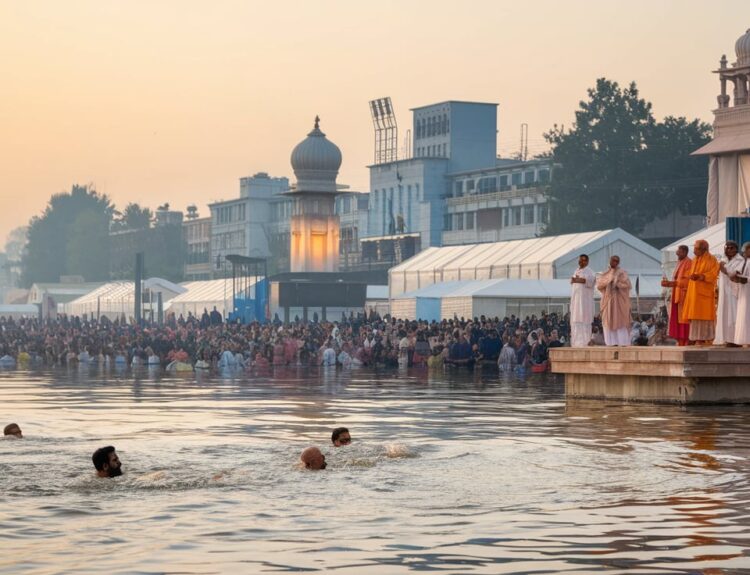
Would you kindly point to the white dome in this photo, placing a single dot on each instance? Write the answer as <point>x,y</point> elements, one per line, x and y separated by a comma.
<point>316,162</point>
<point>742,49</point>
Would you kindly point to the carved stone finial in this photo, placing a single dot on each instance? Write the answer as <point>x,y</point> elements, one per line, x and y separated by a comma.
<point>723,61</point>
<point>317,122</point>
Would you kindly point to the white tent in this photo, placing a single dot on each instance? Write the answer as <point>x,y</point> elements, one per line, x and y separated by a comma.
<point>503,297</point>
<point>115,299</point>
<point>553,257</point>
<point>207,294</point>
<point>19,310</point>
<point>716,236</point>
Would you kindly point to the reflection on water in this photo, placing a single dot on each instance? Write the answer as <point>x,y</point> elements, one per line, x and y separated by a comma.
<point>455,473</point>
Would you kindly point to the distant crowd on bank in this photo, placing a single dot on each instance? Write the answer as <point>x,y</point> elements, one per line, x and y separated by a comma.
<point>697,315</point>
<point>209,342</point>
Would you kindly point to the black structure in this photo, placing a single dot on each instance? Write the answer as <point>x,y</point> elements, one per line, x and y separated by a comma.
<point>320,291</point>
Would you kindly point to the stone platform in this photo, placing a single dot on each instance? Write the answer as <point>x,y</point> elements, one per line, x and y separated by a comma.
<point>655,374</point>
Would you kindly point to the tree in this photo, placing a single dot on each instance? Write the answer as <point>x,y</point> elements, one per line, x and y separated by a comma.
<point>618,167</point>
<point>134,217</point>
<point>49,253</point>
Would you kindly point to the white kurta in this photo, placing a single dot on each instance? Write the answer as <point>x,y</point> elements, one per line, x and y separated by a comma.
<point>742,328</point>
<point>582,307</point>
<point>726,312</point>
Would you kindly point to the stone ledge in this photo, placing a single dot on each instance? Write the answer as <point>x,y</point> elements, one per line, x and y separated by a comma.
<point>653,361</point>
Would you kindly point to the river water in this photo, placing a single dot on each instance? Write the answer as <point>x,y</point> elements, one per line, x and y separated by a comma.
<point>449,473</point>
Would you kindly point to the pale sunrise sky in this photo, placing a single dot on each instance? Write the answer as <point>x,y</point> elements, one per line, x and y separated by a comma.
<point>155,101</point>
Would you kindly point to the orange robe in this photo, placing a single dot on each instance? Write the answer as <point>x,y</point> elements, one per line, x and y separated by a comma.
<point>681,278</point>
<point>700,298</point>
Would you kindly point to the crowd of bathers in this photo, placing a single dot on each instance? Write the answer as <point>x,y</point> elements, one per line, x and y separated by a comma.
<point>107,462</point>
<point>203,343</point>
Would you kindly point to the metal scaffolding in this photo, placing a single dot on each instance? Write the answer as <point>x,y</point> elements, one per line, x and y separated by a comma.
<point>386,130</point>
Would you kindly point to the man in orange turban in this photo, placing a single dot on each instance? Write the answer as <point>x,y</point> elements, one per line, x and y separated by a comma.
<point>700,300</point>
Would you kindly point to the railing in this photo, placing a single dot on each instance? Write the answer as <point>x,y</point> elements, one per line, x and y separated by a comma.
<point>518,192</point>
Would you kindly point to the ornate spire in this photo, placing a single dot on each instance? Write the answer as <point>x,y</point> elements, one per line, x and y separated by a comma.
<point>317,122</point>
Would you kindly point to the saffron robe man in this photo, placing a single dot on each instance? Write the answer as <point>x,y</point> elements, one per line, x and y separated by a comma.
<point>677,330</point>
<point>614,286</point>
<point>726,312</point>
<point>700,300</point>
<point>581,303</point>
<point>742,328</point>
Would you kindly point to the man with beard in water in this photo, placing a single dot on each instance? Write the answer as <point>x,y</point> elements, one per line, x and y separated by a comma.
<point>340,436</point>
<point>106,462</point>
<point>312,458</point>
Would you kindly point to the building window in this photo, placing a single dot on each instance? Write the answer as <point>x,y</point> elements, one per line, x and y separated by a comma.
<point>458,189</point>
<point>516,216</point>
<point>542,213</point>
<point>516,179</point>
<point>528,177</point>
<point>445,150</point>
<point>528,214</point>
<point>448,222</point>
<point>506,211</point>
<point>459,221</point>
<point>470,220</point>
<point>503,183</point>
<point>487,185</point>
<point>469,186</point>
<point>544,176</point>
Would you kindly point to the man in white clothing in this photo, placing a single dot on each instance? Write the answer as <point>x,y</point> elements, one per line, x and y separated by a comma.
<point>742,328</point>
<point>726,312</point>
<point>581,303</point>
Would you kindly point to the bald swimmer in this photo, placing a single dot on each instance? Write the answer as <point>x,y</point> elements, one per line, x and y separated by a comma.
<point>312,458</point>
<point>13,430</point>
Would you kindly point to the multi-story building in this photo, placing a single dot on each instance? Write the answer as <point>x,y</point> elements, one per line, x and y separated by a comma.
<point>242,226</point>
<point>408,196</point>
<point>197,238</point>
<point>506,202</point>
<point>454,189</point>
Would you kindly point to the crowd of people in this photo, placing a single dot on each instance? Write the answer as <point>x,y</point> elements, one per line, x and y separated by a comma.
<point>192,343</point>
<point>709,302</point>
<point>209,342</point>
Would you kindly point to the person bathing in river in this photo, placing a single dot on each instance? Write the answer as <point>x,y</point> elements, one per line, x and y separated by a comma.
<point>312,458</point>
<point>106,462</point>
<point>340,436</point>
<point>13,430</point>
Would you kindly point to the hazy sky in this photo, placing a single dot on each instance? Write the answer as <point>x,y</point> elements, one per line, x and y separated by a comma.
<point>155,101</point>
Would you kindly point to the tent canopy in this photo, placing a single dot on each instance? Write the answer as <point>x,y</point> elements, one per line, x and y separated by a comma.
<point>535,258</point>
<point>649,287</point>
<point>715,235</point>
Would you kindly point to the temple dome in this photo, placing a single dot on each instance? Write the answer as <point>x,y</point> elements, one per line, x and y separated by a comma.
<point>742,49</point>
<point>316,162</point>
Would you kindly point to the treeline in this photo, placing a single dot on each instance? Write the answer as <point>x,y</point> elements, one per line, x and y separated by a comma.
<point>618,167</point>
<point>80,233</point>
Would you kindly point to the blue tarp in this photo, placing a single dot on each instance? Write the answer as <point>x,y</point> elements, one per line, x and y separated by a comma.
<point>428,308</point>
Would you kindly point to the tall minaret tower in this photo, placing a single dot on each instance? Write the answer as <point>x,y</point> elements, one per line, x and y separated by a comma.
<point>314,230</point>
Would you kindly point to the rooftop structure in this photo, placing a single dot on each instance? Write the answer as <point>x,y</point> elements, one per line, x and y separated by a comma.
<point>729,151</point>
<point>314,234</point>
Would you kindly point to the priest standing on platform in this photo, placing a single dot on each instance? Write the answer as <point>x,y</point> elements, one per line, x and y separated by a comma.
<point>614,285</point>
<point>726,312</point>
<point>581,303</point>
<point>679,283</point>
<point>700,300</point>
<point>742,329</point>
